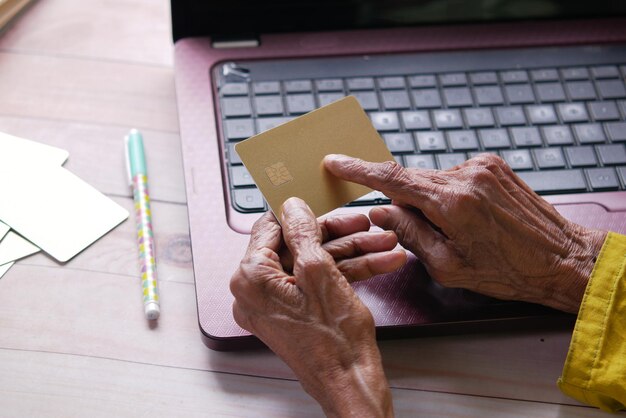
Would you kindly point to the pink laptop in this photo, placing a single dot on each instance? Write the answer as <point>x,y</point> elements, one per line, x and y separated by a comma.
<point>543,85</point>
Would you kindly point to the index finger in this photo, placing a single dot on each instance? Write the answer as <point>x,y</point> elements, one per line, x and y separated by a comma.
<point>266,233</point>
<point>301,231</point>
<point>388,177</point>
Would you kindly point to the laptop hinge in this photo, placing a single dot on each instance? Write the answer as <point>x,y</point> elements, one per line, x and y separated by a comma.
<point>228,43</point>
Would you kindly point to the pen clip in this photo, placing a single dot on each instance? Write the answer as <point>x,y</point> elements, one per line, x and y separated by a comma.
<point>127,155</point>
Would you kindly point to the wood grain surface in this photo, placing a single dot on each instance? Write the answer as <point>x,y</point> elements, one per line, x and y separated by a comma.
<point>73,338</point>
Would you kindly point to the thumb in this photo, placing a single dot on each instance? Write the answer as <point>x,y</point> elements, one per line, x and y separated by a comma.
<point>414,233</point>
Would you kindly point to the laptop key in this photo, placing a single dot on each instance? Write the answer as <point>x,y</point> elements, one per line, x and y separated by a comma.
<point>421,81</point>
<point>573,112</point>
<point>396,100</point>
<point>518,159</point>
<point>519,93</point>
<point>546,74</point>
<point>611,89</point>
<point>367,99</point>
<point>447,161</point>
<point>582,156</point>
<point>430,141</point>
<point>473,154</point>
<point>248,199</point>
<point>479,117</point>
<point>458,96</point>
<point>557,135</point>
<point>488,95</point>
<point>511,115</point>
<point>416,119</point>
<point>494,138</point>
<point>581,90</point>
<point>575,73</point>
<point>541,114</point>
<point>602,178</point>
<point>617,131</point>
<point>549,158</point>
<point>239,129</point>
<point>462,140</point>
<point>328,98</point>
<point>235,89</point>
<point>240,176</point>
<point>268,105</point>
<point>298,86</point>
<point>555,181</point>
<point>602,111</point>
<point>266,87</point>
<point>514,76</point>
<point>589,133</point>
<point>487,77</point>
<point>385,121</point>
<point>236,106</point>
<point>399,159</point>
<point>613,154</point>
<point>387,83</point>
<point>300,103</point>
<point>263,124</point>
<point>399,142</point>
<point>427,98</point>
<point>605,71</point>
<point>360,83</point>
<point>329,84</point>
<point>622,173</point>
<point>423,161</point>
<point>447,119</point>
<point>550,92</point>
<point>526,137</point>
<point>453,79</point>
<point>233,156</point>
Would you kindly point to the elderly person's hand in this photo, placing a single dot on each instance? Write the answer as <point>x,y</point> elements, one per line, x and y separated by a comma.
<point>479,227</point>
<point>292,291</point>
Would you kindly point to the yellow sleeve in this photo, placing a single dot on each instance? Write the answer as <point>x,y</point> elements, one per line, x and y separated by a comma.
<point>595,368</point>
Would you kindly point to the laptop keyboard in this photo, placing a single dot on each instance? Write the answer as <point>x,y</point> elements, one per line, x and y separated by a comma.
<point>561,129</point>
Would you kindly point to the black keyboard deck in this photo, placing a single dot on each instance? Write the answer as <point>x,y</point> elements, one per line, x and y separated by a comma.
<point>561,128</point>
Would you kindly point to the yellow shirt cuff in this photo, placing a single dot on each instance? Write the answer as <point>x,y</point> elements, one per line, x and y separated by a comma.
<point>595,368</point>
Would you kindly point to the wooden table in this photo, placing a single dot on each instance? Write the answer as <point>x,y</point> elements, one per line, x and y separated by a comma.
<point>73,339</point>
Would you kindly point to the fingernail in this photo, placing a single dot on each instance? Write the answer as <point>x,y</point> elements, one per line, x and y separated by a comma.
<point>336,157</point>
<point>381,213</point>
<point>291,203</point>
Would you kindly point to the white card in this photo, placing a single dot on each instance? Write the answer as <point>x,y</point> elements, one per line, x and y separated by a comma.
<point>13,247</point>
<point>14,150</point>
<point>4,228</point>
<point>4,268</point>
<point>55,210</point>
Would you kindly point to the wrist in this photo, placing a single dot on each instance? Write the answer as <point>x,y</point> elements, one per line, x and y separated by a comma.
<point>575,269</point>
<point>358,391</point>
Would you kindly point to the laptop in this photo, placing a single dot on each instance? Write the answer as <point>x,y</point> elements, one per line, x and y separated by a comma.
<point>542,84</point>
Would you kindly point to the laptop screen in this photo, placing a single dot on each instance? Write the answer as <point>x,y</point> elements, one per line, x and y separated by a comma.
<point>241,19</point>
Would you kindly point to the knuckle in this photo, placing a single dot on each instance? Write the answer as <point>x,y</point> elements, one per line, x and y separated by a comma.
<point>237,284</point>
<point>240,317</point>
<point>364,319</point>
<point>489,160</point>
<point>390,172</point>
<point>313,264</point>
<point>480,176</point>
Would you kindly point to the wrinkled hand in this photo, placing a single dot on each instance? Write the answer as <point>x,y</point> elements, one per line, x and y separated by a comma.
<point>358,253</point>
<point>301,305</point>
<point>478,226</point>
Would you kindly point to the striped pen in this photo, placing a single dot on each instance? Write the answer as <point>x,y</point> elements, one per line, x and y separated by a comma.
<point>138,176</point>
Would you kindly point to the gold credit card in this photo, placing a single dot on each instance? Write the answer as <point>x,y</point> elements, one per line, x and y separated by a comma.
<point>286,161</point>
